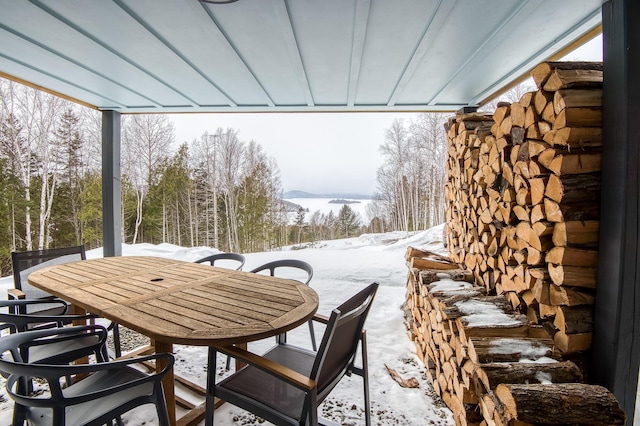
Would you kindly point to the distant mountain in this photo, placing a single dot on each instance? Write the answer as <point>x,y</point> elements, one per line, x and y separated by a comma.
<point>302,194</point>
<point>291,207</point>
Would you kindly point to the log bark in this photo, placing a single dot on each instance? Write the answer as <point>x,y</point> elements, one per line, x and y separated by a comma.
<point>576,276</point>
<point>572,257</point>
<point>419,263</point>
<point>577,233</point>
<point>562,403</point>
<point>568,296</point>
<point>578,117</point>
<point>572,343</point>
<point>542,71</point>
<point>570,79</point>
<point>572,320</point>
<point>578,137</point>
<point>491,375</point>
<point>572,98</point>
<point>430,275</point>
<point>561,212</point>
<point>573,189</point>
<point>562,162</point>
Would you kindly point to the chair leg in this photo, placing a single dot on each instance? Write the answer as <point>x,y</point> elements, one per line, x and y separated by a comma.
<point>161,408</point>
<point>313,407</point>
<point>19,415</point>
<point>211,383</point>
<point>365,378</point>
<point>313,337</point>
<point>116,341</point>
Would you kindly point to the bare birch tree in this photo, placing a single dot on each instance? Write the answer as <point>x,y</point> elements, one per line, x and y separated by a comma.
<point>147,141</point>
<point>205,160</point>
<point>231,163</point>
<point>411,181</point>
<point>16,146</point>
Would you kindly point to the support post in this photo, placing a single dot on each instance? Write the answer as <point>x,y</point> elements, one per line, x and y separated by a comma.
<point>616,344</point>
<point>111,186</point>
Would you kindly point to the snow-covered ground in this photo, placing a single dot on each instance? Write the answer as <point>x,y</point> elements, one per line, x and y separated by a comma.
<point>341,268</point>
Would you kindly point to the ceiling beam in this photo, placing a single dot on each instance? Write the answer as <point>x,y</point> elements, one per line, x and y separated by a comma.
<point>357,47</point>
<point>232,46</point>
<point>433,27</point>
<point>100,43</point>
<point>284,19</point>
<point>522,73</point>
<point>497,36</point>
<point>174,50</point>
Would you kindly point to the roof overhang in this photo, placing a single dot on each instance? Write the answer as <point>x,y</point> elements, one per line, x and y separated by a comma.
<point>166,56</point>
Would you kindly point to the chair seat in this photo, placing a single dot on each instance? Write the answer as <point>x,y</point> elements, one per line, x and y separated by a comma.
<point>87,412</point>
<point>62,352</point>
<point>272,391</point>
<point>47,309</point>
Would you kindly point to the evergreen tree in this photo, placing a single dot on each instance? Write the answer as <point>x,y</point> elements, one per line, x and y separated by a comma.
<point>91,212</point>
<point>348,222</point>
<point>67,208</point>
<point>300,223</point>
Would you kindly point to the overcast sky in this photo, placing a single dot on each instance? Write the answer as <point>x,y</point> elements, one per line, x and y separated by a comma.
<point>316,152</point>
<point>321,152</point>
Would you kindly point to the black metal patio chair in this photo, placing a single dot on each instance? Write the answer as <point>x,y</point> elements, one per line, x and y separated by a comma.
<point>91,343</point>
<point>105,391</point>
<point>291,268</point>
<point>222,257</point>
<point>286,385</point>
<point>26,262</point>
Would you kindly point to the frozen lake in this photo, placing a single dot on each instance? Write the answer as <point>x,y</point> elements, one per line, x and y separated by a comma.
<point>325,206</point>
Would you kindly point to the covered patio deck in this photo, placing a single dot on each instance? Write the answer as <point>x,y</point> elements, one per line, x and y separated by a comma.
<point>173,56</point>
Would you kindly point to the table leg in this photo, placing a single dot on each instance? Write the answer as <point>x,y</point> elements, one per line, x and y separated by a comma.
<point>76,310</point>
<point>240,364</point>
<point>211,378</point>
<point>167,381</point>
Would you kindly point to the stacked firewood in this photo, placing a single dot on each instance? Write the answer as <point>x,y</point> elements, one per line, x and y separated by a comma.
<point>523,199</point>
<point>486,361</point>
<point>499,325</point>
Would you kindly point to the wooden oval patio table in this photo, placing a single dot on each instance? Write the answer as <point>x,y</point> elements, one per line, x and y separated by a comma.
<point>178,302</point>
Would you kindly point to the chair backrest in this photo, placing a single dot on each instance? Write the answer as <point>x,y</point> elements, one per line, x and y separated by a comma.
<point>339,345</point>
<point>236,257</point>
<point>15,320</point>
<point>115,387</point>
<point>26,262</point>
<point>284,264</point>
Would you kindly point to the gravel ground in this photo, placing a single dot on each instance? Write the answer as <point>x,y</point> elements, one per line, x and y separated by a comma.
<point>129,340</point>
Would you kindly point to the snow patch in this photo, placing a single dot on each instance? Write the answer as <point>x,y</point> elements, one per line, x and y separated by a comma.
<point>484,314</point>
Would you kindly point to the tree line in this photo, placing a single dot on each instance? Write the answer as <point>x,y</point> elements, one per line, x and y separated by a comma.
<point>411,181</point>
<point>217,190</point>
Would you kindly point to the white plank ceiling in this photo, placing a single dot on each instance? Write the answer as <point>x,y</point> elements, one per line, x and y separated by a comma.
<point>283,55</point>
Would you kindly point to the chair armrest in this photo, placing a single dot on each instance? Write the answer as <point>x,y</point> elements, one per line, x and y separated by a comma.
<point>120,363</point>
<point>47,336</point>
<point>321,318</point>
<point>36,318</point>
<point>271,367</point>
<point>15,294</point>
<point>85,390</point>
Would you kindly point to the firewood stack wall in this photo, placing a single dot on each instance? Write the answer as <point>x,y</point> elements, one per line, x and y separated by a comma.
<point>523,199</point>
<point>500,322</point>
